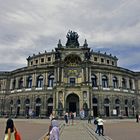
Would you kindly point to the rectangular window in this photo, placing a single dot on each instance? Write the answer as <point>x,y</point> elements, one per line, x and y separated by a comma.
<point>72,81</point>
<point>95,58</point>
<point>112,63</point>
<point>107,61</point>
<point>42,60</point>
<point>102,60</point>
<point>36,61</point>
<point>31,62</point>
<point>49,58</point>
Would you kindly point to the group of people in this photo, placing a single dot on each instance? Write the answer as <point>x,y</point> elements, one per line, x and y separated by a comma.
<point>69,116</point>
<point>99,126</point>
<point>53,132</point>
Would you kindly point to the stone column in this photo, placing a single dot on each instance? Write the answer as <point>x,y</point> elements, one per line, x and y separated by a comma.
<point>82,75</point>
<point>46,79</point>
<point>127,83</point>
<point>133,82</point>
<point>34,80</point>
<point>100,80</point>
<point>11,83</point>
<point>24,81</point>
<point>89,76</point>
<point>62,75</point>
<point>17,82</point>
<point>110,84</point>
<point>120,81</point>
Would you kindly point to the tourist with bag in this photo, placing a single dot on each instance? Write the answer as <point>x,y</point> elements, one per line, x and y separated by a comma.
<point>10,130</point>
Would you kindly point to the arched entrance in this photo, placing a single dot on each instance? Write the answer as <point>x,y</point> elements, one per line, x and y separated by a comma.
<point>95,107</point>
<point>18,107</point>
<point>27,104</point>
<point>106,107</point>
<point>117,104</point>
<point>49,106</point>
<point>38,105</point>
<point>72,103</point>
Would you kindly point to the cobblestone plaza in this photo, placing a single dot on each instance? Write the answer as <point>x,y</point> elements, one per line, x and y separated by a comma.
<point>35,129</point>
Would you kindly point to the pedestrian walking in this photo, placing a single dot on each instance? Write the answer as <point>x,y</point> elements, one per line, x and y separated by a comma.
<point>96,123</point>
<point>137,118</point>
<point>10,130</point>
<point>54,133</point>
<point>72,117</point>
<point>51,116</point>
<point>100,127</point>
<point>66,118</point>
<point>89,118</point>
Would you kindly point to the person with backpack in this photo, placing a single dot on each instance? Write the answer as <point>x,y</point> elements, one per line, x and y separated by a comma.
<point>66,118</point>
<point>100,127</point>
<point>96,123</point>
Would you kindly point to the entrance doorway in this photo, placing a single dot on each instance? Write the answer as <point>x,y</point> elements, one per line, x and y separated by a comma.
<point>95,111</point>
<point>72,106</point>
<point>72,103</point>
<point>106,108</point>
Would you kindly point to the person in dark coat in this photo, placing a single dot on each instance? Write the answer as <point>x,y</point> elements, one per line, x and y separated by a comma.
<point>137,118</point>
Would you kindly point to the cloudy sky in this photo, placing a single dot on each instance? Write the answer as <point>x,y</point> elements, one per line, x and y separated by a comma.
<point>31,26</point>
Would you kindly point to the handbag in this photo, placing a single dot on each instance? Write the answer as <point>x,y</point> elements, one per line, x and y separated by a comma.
<point>47,137</point>
<point>17,136</point>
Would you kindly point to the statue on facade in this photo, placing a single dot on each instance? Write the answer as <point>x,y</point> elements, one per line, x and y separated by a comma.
<point>72,39</point>
<point>87,55</point>
<point>85,44</point>
<point>59,44</point>
<point>57,55</point>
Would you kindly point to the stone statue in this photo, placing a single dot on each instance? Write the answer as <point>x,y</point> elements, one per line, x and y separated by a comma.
<point>87,55</point>
<point>72,39</point>
<point>57,55</point>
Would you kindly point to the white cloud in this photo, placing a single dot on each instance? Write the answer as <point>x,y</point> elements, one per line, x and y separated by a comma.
<point>32,26</point>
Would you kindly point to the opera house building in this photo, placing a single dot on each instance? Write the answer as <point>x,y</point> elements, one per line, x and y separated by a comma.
<point>70,78</point>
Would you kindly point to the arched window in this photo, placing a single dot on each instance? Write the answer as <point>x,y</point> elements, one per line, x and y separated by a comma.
<point>130,84</point>
<point>94,80</point>
<point>72,60</point>
<point>50,80</point>
<point>18,102</point>
<point>126,102</point>
<point>115,82</point>
<point>29,82</point>
<point>50,106</point>
<point>40,81</point>
<point>124,83</point>
<point>14,84</point>
<point>27,102</point>
<point>11,102</point>
<point>133,102</point>
<point>106,101</point>
<point>117,102</point>
<point>20,83</point>
<point>104,81</point>
<point>94,101</point>
<point>38,102</point>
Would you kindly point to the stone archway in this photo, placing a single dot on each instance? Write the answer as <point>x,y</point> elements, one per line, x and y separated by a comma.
<point>38,105</point>
<point>72,103</point>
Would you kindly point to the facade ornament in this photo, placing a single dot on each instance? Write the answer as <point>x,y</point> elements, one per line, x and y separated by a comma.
<point>57,55</point>
<point>87,55</point>
<point>59,44</point>
<point>85,44</point>
<point>72,39</point>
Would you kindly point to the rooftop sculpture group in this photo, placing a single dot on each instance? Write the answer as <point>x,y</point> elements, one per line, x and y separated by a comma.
<point>72,39</point>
